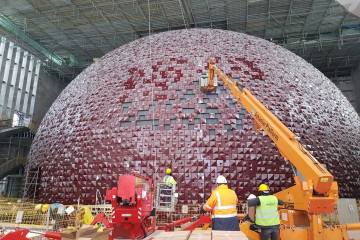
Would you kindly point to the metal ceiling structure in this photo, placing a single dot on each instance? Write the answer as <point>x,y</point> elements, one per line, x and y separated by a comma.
<point>321,31</point>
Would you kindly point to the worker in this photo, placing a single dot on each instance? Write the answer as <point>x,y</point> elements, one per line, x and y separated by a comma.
<point>251,210</point>
<point>222,204</point>
<point>168,178</point>
<point>267,216</point>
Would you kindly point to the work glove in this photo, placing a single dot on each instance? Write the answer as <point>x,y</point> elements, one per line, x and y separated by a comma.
<point>247,219</point>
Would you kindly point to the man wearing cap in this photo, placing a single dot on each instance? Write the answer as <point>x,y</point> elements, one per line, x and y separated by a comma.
<point>267,216</point>
<point>222,205</point>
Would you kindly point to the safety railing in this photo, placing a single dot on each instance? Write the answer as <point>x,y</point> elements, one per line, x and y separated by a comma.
<point>165,198</point>
<point>14,213</point>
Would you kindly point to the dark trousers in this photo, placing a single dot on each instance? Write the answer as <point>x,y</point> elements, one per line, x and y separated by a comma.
<point>270,233</point>
<point>226,224</point>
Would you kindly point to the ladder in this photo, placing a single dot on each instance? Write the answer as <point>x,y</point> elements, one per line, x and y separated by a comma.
<point>31,183</point>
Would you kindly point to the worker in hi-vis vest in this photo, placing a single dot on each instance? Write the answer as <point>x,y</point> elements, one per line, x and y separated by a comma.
<point>222,204</point>
<point>267,215</point>
<point>168,178</point>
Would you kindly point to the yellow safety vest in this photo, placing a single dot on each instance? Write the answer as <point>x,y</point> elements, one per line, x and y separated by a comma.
<point>222,202</point>
<point>267,213</point>
<point>169,180</point>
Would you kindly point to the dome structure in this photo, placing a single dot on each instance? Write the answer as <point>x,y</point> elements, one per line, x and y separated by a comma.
<point>139,108</point>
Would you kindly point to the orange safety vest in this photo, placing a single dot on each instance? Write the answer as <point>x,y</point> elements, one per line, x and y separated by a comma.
<point>222,202</point>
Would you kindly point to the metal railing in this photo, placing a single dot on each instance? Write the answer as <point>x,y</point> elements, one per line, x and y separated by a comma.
<point>165,198</point>
<point>14,214</point>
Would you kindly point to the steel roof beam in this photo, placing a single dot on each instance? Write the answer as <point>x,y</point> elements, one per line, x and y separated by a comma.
<point>269,19</point>
<point>188,11</point>
<point>57,27</point>
<point>9,26</point>
<point>107,20</point>
<point>165,15</point>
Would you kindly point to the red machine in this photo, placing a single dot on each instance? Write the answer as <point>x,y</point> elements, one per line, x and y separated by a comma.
<point>133,216</point>
<point>21,235</point>
<point>18,234</point>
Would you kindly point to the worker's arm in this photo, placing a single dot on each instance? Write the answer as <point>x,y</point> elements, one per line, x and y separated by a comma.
<point>253,202</point>
<point>172,181</point>
<point>210,203</point>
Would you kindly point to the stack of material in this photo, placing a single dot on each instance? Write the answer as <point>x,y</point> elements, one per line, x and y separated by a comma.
<point>161,235</point>
<point>224,235</point>
<point>200,235</point>
<point>86,232</point>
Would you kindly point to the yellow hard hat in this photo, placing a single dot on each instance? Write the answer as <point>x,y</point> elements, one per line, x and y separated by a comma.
<point>168,171</point>
<point>263,187</point>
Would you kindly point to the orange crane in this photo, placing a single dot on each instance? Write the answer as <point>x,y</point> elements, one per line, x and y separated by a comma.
<point>315,192</point>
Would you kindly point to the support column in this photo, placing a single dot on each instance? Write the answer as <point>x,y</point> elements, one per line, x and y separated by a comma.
<point>6,78</point>
<point>34,89</point>
<point>14,81</point>
<point>23,75</point>
<point>2,52</point>
<point>29,80</point>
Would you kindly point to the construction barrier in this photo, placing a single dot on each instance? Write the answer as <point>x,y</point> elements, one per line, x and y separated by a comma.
<point>181,211</point>
<point>14,214</point>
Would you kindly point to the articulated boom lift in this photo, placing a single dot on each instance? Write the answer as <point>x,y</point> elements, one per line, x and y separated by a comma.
<point>315,192</point>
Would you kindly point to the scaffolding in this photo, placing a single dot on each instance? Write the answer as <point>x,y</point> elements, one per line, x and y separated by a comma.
<point>14,145</point>
<point>32,182</point>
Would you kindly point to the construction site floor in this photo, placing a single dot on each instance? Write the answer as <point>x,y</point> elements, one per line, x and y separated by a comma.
<point>197,235</point>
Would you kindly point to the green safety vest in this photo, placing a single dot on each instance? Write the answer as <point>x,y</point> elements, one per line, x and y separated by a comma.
<point>169,180</point>
<point>267,213</point>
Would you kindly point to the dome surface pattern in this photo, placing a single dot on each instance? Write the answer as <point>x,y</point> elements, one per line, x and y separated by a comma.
<point>142,110</point>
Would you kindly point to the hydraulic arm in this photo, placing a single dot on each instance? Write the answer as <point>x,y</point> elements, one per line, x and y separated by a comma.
<point>315,192</point>
<point>316,177</point>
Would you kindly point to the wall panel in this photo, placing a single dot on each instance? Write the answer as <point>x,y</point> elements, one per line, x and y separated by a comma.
<point>19,74</point>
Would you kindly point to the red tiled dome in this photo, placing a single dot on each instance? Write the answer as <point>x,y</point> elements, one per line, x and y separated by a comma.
<point>132,110</point>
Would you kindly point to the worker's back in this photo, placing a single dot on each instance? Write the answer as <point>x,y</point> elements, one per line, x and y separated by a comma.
<point>267,212</point>
<point>222,204</point>
<point>226,201</point>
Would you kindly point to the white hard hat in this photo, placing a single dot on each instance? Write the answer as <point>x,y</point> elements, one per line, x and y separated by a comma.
<point>251,196</point>
<point>221,179</point>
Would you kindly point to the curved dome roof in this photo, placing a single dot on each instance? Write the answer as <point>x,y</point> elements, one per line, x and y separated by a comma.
<point>142,110</point>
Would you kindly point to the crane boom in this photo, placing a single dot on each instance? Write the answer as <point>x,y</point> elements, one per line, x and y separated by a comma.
<point>285,140</point>
<point>316,192</point>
